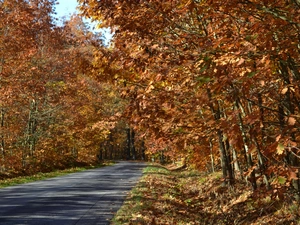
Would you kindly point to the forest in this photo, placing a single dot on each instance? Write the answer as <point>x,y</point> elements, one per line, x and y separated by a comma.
<point>53,113</point>
<point>213,83</point>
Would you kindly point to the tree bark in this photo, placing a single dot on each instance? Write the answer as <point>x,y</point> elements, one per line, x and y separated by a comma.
<point>128,143</point>
<point>212,160</point>
<point>226,167</point>
<point>2,143</point>
<point>132,144</point>
<point>250,164</point>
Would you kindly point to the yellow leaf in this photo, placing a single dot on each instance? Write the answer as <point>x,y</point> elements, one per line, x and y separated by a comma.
<point>280,149</point>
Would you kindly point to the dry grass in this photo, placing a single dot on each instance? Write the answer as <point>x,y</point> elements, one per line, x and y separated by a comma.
<point>187,197</point>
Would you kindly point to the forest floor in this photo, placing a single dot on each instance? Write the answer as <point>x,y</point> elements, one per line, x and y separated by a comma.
<point>166,195</point>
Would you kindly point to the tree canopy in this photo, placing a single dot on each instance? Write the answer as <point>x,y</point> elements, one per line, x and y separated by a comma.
<point>209,80</point>
<point>213,82</point>
<point>52,114</point>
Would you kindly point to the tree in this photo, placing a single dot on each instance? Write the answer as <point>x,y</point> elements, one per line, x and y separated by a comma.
<point>209,73</point>
<point>52,114</point>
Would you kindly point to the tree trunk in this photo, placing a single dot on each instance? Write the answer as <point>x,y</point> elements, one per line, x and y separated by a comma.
<point>74,152</point>
<point>133,144</point>
<point>111,146</point>
<point>105,150</point>
<point>32,125</point>
<point>162,157</point>
<point>226,167</point>
<point>30,135</point>
<point>286,108</point>
<point>143,149</point>
<point>128,143</point>
<point>2,142</point>
<point>261,159</point>
<point>212,156</point>
<point>236,163</point>
<point>250,164</point>
<point>100,156</point>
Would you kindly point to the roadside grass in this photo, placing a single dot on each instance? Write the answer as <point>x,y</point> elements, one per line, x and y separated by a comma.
<point>42,176</point>
<point>140,198</point>
<point>158,199</point>
<point>184,197</point>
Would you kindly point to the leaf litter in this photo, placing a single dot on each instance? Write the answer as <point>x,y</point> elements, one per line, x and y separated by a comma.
<point>168,196</point>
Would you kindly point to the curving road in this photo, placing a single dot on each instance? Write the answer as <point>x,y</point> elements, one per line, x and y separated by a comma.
<point>84,198</point>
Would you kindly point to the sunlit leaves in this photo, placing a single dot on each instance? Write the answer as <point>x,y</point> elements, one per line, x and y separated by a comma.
<point>166,55</point>
<point>53,112</point>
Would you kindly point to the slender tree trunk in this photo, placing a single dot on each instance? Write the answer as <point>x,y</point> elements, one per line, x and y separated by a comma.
<point>143,149</point>
<point>250,164</point>
<point>261,159</point>
<point>105,150</point>
<point>30,135</point>
<point>162,157</point>
<point>111,146</point>
<point>74,152</point>
<point>133,144</point>
<point>236,163</point>
<point>262,118</point>
<point>212,160</point>
<point>100,156</point>
<point>226,167</point>
<point>32,124</point>
<point>286,108</point>
<point>128,143</point>
<point>230,161</point>
<point>2,142</point>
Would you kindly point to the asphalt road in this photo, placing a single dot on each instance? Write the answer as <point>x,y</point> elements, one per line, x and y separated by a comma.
<point>84,198</point>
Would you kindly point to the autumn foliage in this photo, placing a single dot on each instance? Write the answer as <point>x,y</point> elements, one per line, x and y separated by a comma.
<point>52,115</point>
<point>216,82</point>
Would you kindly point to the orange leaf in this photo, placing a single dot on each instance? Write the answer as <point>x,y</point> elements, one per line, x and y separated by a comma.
<point>284,90</point>
<point>291,121</point>
<point>241,61</point>
<point>293,175</point>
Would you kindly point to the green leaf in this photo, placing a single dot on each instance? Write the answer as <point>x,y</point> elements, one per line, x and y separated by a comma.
<point>203,68</point>
<point>203,79</point>
<point>250,75</point>
<point>281,180</point>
